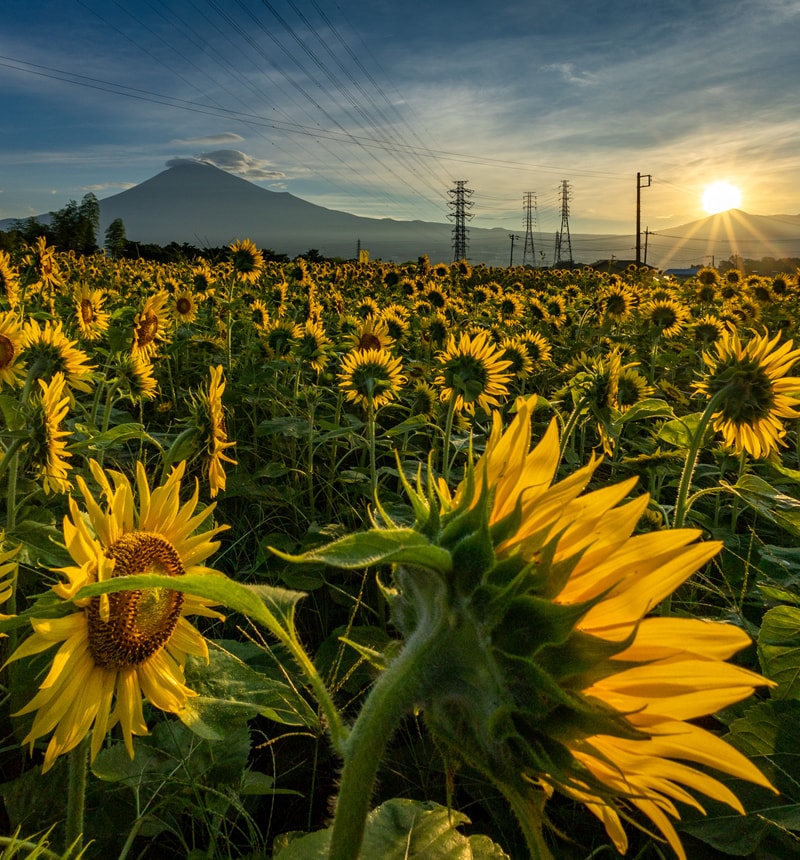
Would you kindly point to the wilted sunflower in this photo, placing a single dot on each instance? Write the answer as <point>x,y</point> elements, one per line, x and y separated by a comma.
<point>9,280</point>
<point>135,377</point>
<point>666,316</point>
<point>758,393</point>
<point>91,318</point>
<point>48,351</point>
<point>247,260</point>
<point>534,658</point>
<point>47,447</point>
<point>115,649</point>
<point>12,342</point>
<point>371,334</point>
<point>151,325</point>
<point>208,415</point>
<point>473,372</point>
<point>371,377</point>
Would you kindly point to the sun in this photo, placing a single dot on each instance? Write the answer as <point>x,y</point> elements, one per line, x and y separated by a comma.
<point>721,196</point>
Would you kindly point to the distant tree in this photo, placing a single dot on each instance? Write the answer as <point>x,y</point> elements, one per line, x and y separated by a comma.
<point>74,228</point>
<point>115,239</point>
<point>312,255</point>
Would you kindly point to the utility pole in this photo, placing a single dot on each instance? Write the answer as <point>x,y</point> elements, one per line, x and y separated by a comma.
<point>529,204</point>
<point>639,186</point>
<point>511,258</point>
<point>460,206</point>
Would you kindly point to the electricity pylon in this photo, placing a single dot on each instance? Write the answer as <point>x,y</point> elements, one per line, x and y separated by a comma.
<point>563,252</point>
<point>529,204</point>
<point>460,213</point>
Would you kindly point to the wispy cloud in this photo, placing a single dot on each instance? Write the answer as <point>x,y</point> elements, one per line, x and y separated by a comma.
<point>209,139</point>
<point>234,161</point>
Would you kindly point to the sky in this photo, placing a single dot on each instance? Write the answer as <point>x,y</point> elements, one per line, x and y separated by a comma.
<point>380,108</point>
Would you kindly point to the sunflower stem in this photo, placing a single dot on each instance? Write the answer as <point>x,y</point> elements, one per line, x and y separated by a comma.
<point>373,469</point>
<point>448,432</point>
<point>682,501</point>
<point>393,696</point>
<point>76,793</point>
<point>569,427</point>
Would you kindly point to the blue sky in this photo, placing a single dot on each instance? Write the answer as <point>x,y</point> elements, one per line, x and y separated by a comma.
<point>379,108</point>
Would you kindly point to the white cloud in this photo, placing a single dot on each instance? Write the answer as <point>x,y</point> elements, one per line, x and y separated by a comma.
<point>225,137</point>
<point>572,75</point>
<point>234,161</point>
<point>104,186</point>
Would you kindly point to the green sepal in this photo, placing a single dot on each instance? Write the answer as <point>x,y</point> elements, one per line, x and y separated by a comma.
<point>530,623</point>
<point>377,546</point>
<point>585,659</point>
<point>473,557</point>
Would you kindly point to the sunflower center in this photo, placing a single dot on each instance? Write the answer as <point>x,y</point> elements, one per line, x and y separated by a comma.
<point>6,352</point>
<point>138,623</point>
<point>368,340</point>
<point>147,329</point>
<point>183,305</point>
<point>87,311</point>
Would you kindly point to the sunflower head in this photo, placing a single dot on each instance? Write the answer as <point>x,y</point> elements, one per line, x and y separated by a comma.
<point>751,386</point>
<point>247,260</point>
<point>12,342</point>
<point>473,372</point>
<point>524,601</point>
<point>370,377</point>
<point>49,351</point>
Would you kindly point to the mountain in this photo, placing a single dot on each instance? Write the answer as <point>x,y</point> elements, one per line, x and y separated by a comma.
<point>207,207</point>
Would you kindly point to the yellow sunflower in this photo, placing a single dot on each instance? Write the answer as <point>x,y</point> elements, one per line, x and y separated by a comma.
<point>12,342</point>
<point>247,260</point>
<point>758,392</point>
<point>209,417</point>
<point>49,351</point>
<point>47,448</point>
<point>8,573</point>
<point>259,315</point>
<point>9,280</point>
<point>372,334</point>
<point>473,371</point>
<point>371,377</point>
<point>92,320</point>
<point>116,649</point>
<point>151,325</point>
<point>666,316</point>
<point>313,346</point>
<point>280,338</point>
<point>515,349</point>
<point>184,306</point>
<point>135,377</point>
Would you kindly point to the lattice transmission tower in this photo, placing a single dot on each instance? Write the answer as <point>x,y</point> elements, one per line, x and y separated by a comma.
<point>563,253</point>
<point>460,206</point>
<point>529,205</point>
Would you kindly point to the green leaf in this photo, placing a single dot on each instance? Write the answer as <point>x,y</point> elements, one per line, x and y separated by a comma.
<point>776,506</point>
<point>113,436</point>
<point>680,431</point>
<point>230,693</point>
<point>377,546</point>
<point>779,650</point>
<point>647,409</point>
<point>402,829</point>
<point>269,606</point>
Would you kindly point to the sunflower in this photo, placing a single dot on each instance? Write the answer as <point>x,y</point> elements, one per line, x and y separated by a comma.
<point>116,649</point>
<point>534,659</point>
<point>631,388</point>
<point>247,260</point>
<point>755,390</point>
<point>509,308</point>
<point>8,573</point>
<point>313,346</point>
<point>617,302</point>
<point>397,324</point>
<point>259,315</point>
<point>367,307</point>
<point>47,448</point>
<point>515,349</point>
<point>372,334</point>
<point>151,324</point>
<point>202,279</point>
<point>555,310</point>
<point>91,318</point>
<point>209,418</point>
<point>12,343</point>
<point>184,306</point>
<point>666,316</point>
<point>423,399</point>
<point>135,377</point>
<point>473,372</point>
<point>708,329</point>
<point>9,280</point>
<point>371,377</point>
<point>44,266</point>
<point>280,337</point>
<point>48,351</point>
<point>538,347</point>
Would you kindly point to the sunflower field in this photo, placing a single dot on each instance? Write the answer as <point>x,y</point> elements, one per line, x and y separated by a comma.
<point>340,560</point>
